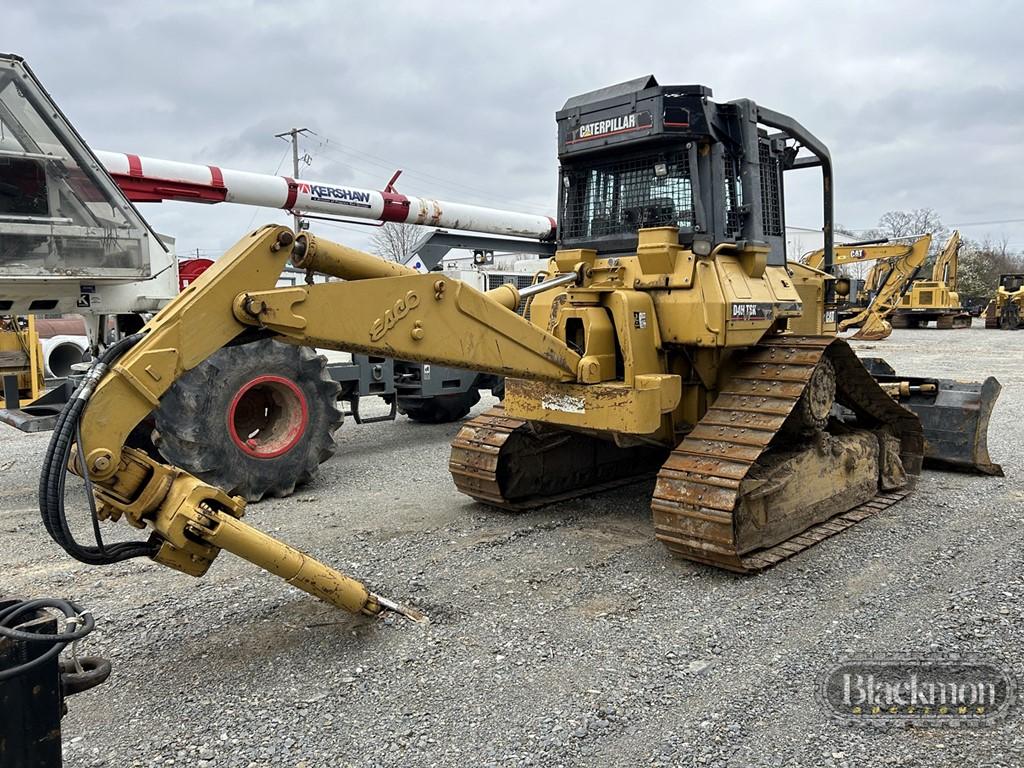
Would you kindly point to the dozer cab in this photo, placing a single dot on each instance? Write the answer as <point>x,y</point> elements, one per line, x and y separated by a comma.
<point>668,336</point>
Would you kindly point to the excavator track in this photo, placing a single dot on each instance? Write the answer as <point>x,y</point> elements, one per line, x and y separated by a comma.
<point>698,501</point>
<point>517,465</point>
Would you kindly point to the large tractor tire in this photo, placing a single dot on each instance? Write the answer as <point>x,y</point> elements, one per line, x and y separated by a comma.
<point>255,419</point>
<point>440,409</point>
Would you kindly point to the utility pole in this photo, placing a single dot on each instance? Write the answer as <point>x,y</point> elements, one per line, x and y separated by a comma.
<point>293,137</point>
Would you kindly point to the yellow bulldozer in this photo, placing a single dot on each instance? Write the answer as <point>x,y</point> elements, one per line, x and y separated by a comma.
<point>669,336</point>
<point>1006,308</point>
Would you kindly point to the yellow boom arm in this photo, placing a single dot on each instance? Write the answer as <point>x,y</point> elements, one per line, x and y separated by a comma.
<point>898,262</point>
<point>190,520</point>
<point>946,265</point>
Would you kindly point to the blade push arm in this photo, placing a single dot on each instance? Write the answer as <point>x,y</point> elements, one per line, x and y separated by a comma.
<point>382,308</point>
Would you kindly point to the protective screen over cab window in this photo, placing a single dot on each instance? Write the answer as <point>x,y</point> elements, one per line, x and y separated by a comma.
<point>627,195</point>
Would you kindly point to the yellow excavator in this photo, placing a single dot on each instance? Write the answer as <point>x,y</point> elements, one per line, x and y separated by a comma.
<point>935,299</point>
<point>868,307</point>
<point>668,336</point>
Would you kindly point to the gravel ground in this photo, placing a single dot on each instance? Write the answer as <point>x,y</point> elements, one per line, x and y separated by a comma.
<point>564,636</point>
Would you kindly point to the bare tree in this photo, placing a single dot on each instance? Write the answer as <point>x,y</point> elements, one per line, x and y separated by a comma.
<point>395,242</point>
<point>900,224</point>
<point>981,263</point>
<point>918,221</point>
<point>841,230</point>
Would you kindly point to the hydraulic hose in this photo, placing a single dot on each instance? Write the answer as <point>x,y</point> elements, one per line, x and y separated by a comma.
<point>9,620</point>
<point>53,477</point>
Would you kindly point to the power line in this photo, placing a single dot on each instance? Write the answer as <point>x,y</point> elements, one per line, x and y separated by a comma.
<point>951,225</point>
<point>293,135</point>
<point>983,223</point>
<point>349,228</point>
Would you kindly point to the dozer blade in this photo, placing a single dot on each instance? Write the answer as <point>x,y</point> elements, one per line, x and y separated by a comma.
<point>751,485</point>
<point>517,465</point>
<point>954,415</point>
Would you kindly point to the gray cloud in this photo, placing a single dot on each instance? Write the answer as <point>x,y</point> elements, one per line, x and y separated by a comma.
<point>920,102</point>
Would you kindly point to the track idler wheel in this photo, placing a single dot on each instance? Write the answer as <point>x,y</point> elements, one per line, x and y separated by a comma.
<point>811,412</point>
<point>255,419</point>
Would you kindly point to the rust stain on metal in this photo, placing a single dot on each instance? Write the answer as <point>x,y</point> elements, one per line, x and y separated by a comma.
<point>700,487</point>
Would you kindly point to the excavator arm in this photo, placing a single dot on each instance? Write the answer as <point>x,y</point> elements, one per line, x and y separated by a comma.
<point>946,265</point>
<point>190,521</point>
<point>894,272</point>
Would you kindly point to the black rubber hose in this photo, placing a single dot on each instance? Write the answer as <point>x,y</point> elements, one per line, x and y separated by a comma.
<point>53,477</point>
<point>9,620</point>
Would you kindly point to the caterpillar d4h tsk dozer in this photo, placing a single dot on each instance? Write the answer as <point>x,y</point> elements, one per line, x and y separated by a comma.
<point>668,336</point>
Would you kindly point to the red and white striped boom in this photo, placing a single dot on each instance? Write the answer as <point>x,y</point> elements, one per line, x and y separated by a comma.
<point>148,179</point>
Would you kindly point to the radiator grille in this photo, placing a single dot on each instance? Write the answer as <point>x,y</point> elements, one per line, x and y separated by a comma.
<point>927,297</point>
<point>733,197</point>
<point>627,195</point>
<point>771,185</point>
<point>519,280</point>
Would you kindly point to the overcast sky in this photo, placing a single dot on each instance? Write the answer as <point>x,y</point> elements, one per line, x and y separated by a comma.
<point>921,103</point>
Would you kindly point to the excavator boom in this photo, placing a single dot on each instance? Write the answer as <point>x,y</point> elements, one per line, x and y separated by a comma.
<point>897,263</point>
<point>947,264</point>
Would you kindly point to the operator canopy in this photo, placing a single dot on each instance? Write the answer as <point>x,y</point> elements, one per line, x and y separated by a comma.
<point>639,154</point>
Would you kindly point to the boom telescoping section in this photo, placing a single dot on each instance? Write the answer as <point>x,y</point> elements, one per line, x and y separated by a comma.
<point>149,179</point>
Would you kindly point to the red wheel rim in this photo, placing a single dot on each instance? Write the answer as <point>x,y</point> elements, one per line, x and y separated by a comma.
<point>267,416</point>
